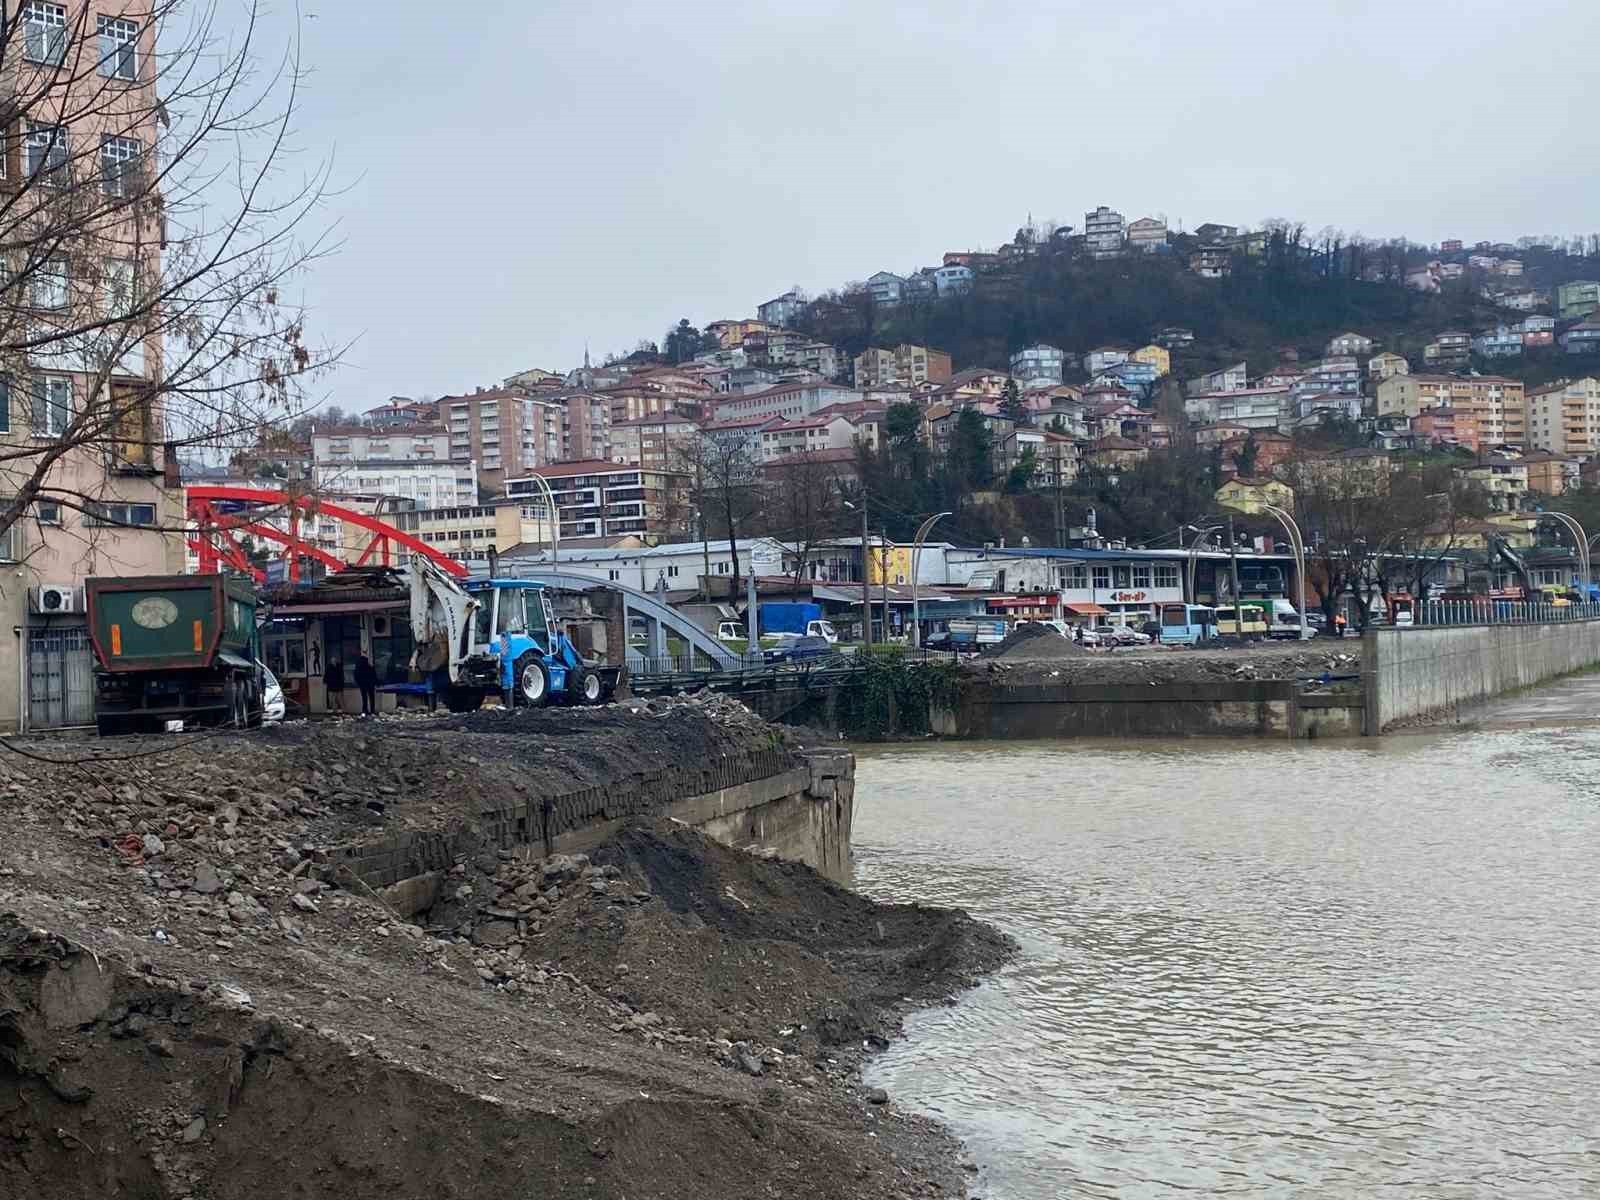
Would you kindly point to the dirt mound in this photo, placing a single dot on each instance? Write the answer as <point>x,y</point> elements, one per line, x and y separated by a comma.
<point>182,981</point>
<point>1037,641</point>
<point>739,949</point>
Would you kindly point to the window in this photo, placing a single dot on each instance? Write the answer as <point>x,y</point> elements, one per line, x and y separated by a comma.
<point>1141,575</point>
<point>47,512</point>
<point>48,285</point>
<point>1166,575</point>
<point>52,405</point>
<point>1102,577</point>
<point>118,48</point>
<point>11,539</point>
<point>44,32</point>
<point>120,514</point>
<point>119,165</point>
<point>44,151</point>
<point>1120,574</point>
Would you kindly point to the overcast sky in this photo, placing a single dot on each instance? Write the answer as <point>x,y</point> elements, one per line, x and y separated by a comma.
<point>528,175</point>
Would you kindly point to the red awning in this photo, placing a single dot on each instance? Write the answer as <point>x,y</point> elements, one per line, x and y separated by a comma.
<point>1087,610</point>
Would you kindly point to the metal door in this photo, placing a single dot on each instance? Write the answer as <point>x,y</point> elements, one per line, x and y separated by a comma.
<point>60,677</point>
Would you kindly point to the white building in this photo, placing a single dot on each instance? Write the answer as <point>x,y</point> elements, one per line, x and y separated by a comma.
<point>952,280</point>
<point>427,483</point>
<point>669,566</point>
<point>789,400</point>
<point>1103,358</point>
<point>1103,232</point>
<point>1038,364</point>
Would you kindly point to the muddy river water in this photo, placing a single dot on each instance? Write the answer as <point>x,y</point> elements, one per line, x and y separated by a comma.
<point>1261,970</point>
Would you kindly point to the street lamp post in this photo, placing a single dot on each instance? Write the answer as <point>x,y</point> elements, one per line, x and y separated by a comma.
<point>916,567</point>
<point>1202,532</point>
<point>1580,542</point>
<point>1296,544</point>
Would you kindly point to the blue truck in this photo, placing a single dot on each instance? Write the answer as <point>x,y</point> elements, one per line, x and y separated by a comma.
<point>798,618</point>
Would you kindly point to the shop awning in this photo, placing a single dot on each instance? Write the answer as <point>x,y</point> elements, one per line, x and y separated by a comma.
<point>331,607</point>
<point>1086,610</point>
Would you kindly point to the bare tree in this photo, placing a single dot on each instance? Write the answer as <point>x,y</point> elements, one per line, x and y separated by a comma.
<point>721,469</point>
<point>804,504</point>
<point>149,228</point>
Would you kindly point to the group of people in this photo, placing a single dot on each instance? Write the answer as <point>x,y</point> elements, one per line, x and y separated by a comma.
<point>366,678</point>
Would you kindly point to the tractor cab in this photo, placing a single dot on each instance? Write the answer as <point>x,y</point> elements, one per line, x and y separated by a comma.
<point>515,624</point>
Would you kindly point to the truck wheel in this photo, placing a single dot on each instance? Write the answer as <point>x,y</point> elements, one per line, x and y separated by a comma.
<point>463,699</point>
<point>532,681</point>
<point>583,685</point>
<point>108,726</point>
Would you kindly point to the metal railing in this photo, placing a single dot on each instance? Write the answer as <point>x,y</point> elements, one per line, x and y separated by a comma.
<point>1502,612</point>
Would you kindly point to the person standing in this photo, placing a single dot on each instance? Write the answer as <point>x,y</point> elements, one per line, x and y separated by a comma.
<point>367,680</point>
<point>333,683</point>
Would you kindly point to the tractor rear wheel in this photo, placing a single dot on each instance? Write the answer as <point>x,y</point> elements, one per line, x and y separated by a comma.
<point>532,681</point>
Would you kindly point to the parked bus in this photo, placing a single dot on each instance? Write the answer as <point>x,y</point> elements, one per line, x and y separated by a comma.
<point>1248,620</point>
<point>1187,624</point>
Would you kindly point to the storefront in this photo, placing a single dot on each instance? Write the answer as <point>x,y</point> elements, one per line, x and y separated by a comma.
<point>311,639</point>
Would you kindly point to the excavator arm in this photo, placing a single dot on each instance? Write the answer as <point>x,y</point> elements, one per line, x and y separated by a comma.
<point>441,620</point>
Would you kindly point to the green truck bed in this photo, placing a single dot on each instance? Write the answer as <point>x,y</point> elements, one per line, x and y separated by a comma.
<point>171,622</point>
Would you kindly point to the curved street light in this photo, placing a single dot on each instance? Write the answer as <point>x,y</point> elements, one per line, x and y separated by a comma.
<point>1580,542</point>
<point>1202,533</point>
<point>1297,544</point>
<point>916,565</point>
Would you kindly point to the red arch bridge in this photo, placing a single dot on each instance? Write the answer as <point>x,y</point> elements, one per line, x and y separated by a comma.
<point>221,515</point>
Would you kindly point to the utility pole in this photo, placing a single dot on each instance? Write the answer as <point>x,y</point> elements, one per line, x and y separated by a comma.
<point>883,568</point>
<point>1233,558</point>
<point>866,587</point>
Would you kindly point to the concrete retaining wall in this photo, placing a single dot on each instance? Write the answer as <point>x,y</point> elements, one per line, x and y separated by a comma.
<point>1258,708</point>
<point>799,806</point>
<point>1432,671</point>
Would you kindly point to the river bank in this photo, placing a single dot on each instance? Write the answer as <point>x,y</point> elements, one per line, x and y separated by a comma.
<point>185,974</point>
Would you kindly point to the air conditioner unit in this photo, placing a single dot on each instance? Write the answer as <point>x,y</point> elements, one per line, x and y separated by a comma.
<point>57,598</point>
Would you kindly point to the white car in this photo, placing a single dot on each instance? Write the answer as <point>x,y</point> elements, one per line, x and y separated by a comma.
<point>1121,635</point>
<point>273,708</point>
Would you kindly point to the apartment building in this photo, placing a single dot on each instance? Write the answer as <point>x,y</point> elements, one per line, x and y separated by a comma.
<point>657,442</point>
<point>781,310</point>
<point>905,364</point>
<point>604,499</point>
<point>1577,299</point>
<point>1451,348</point>
<point>1497,405</point>
<point>1387,365</point>
<point>503,430</point>
<point>1564,417</point>
<point>1104,231</point>
<point>790,400</point>
<point>1039,364</point>
<point>1147,235</point>
<point>126,514</point>
<point>415,465</point>
<point>1349,345</point>
<point>1446,427</point>
<point>1158,357</point>
<point>1551,474</point>
<point>781,438</point>
<point>468,532</point>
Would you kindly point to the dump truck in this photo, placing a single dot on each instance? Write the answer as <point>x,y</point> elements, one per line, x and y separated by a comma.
<point>485,637</point>
<point>174,648</point>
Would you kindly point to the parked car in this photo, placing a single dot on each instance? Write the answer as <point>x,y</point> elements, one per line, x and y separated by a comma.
<point>273,707</point>
<point>798,649</point>
<point>1121,635</point>
<point>730,631</point>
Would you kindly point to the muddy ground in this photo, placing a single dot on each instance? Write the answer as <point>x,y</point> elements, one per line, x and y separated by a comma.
<point>1042,661</point>
<point>191,1006</point>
